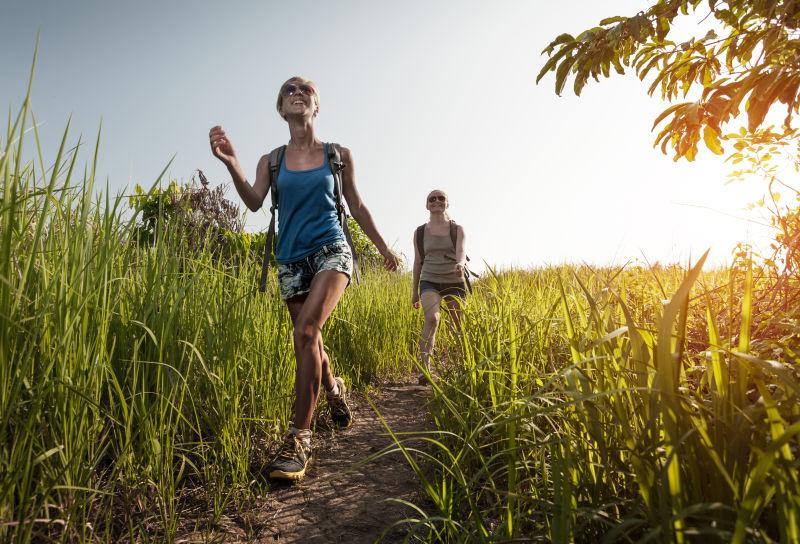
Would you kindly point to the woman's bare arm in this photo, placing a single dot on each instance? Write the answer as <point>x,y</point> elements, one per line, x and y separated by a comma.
<point>461,254</point>
<point>252,195</point>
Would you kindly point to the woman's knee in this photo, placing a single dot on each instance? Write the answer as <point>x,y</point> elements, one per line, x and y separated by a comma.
<point>432,320</point>
<point>306,334</point>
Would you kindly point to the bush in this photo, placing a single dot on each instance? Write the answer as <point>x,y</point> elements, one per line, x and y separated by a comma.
<point>208,220</point>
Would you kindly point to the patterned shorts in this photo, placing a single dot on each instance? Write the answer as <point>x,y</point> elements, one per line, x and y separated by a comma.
<point>295,278</point>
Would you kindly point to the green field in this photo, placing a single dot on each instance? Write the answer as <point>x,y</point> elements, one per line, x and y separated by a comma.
<point>583,407</point>
<point>579,405</point>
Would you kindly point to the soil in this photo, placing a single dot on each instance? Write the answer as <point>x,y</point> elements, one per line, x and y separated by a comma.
<point>345,494</point>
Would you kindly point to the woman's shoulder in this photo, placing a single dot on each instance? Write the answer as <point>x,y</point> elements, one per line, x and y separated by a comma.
<point>272,156</point>
<point>344,151</point>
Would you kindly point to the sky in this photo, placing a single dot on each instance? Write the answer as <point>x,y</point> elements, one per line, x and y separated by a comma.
<point>426,94</point>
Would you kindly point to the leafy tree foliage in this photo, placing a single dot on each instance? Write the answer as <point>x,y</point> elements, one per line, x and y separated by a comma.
<point>753,66</point>
<point>767,155</point>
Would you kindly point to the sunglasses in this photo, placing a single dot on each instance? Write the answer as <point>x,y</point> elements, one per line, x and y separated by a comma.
<point>290,89</point>
<point>440,198</point>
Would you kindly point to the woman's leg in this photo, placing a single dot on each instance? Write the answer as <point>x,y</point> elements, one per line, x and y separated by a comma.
<point>455,309</point>
<point>430,305</point>
<point>326,290</point>
<point>295,305</point>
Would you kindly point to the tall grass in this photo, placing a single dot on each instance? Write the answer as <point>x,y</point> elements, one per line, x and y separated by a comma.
<point>585,408</point>
<point>131,377</point>
<point>578,405</point>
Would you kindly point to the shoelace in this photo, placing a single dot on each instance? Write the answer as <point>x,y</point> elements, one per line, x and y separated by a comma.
<point>288,449</point>
<point>337,405</point>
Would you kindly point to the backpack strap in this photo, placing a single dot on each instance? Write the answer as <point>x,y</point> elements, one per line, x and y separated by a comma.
<point>275,160</point>
<point>419,241</point>
<point>337,166</point>
<point>454,237</point>
<point>453,234</point>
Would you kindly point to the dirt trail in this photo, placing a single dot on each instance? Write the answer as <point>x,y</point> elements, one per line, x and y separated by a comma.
<point>342,499</point>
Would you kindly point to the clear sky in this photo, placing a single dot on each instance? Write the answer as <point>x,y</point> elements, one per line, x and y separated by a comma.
<point>427,94</point>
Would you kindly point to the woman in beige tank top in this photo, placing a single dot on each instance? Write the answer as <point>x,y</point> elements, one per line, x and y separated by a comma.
<point>438,274</point>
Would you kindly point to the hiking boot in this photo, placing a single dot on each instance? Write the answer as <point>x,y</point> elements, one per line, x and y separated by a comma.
<point>341,415</point>
<point>291,461</point>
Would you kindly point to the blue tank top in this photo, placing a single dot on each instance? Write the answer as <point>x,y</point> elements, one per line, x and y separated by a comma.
<point>307,217</point>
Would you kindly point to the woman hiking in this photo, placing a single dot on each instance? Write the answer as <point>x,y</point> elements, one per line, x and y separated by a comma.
<point>314,260</point>
<point>438,273</point>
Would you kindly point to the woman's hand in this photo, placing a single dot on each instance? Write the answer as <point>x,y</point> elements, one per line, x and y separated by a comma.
<point>459,269</point>
<point>390,261</point>
<point>221,146</point>
<point>415,303</point>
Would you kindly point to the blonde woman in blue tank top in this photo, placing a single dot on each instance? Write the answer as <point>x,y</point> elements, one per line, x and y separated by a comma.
<point>438,275</point>
<point>314,261</point>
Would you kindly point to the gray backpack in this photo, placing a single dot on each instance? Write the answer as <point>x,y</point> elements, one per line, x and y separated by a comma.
<point>335,160</point>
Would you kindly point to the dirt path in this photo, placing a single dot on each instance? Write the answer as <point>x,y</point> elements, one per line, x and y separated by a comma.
<point>342,499</point>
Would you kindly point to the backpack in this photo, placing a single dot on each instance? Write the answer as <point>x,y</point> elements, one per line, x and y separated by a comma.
<point>419,241</point>
<point>335,160</point>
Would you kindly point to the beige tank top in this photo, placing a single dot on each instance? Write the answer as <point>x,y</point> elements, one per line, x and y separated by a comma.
<point>439,265</point>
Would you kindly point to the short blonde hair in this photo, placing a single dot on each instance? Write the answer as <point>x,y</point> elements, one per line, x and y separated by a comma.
<point>296,79</point>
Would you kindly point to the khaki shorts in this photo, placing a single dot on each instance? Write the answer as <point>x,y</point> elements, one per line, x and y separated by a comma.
<point>458,290</point>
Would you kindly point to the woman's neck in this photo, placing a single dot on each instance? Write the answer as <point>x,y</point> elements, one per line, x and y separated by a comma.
<point>438,217</point>
<point>301,132</point>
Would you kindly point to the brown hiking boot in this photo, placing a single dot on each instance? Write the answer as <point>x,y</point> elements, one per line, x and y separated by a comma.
<point>341,415</point>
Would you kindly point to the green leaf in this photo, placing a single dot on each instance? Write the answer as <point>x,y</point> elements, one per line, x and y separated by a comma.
<point>706,77</point>
<point>551,63</point>
<point>642,72</point>
<point>617,66</point>
<point>560,39</point>
<point>563,72</point>
<point>47,454</point>
<point>662,28</point>
<point>612,20</point>
<point>580,82</point>
<point>727,17</point>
